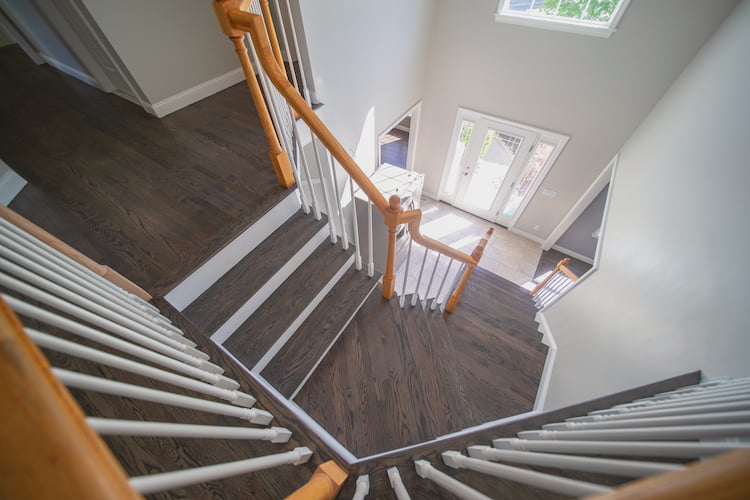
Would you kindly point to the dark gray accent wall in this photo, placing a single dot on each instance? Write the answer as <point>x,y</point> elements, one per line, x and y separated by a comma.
<point>578,238</point>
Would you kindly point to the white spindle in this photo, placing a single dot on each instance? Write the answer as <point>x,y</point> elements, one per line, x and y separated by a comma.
<point>362,487</point>
<point>425,470</point>
<point>705,386</point>
<point>29,247</point>
<point>645,433</point>
<point>370,250</point>
<point>115,427</point>
<point>397,484</point>
<point>337,197</point>
<point>294,80</point>
<point>402,299</point>
<point>686,410</point>
<point>64,346</point>
<point>415,297</point>
<point>295,40</point>
<point>96,304</point>
<point>355,227</point>
<point>113,387</point>
<point>615,467</point>
<point>153,351</point>
<point>324,190</point>
<point>95,319</point>
<point>708,394</point>
<point>675,420</point>
<point>678,403</point>
<point>666,449</point>
<point>561,485</point>
<point>178,479</point>
<point>305,169</point>
<point>437,300</point>
<point>429,284</point>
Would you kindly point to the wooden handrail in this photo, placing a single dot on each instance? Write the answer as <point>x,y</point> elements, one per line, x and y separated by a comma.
<point>48,449</point>
<point>324,484</point>
<point>234,19</point>
<point>476,255</point>
<point>561,266</point>
<point>104,271</point>
<point>724,477</point>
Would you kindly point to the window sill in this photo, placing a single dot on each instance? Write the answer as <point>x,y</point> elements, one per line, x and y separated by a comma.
<point>551,24</point>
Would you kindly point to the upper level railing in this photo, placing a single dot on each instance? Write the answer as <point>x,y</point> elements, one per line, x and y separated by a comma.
<point>290,161</point>
<point>49,448</point>
<point>556,283</point>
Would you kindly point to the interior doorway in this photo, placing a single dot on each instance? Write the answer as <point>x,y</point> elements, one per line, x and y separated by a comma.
<point>396,144</point>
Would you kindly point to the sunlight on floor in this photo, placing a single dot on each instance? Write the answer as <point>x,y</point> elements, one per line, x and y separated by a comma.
<point>443,225</point>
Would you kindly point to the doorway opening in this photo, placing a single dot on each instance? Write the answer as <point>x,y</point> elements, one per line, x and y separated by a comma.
<point>495,166</point>
<point>396,144</point>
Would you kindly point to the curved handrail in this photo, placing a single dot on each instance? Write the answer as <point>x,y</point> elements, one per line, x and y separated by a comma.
<point>237,20</point>
<point>561,266</point>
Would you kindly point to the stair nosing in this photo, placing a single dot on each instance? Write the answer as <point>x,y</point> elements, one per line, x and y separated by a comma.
<point>238,318</point>
<point>301,317</point>
<point>333,342</point>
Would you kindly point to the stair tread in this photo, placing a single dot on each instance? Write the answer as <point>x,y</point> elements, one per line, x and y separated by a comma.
<point>215,306</point>
<point>312,340</point>
<point>250,342</point>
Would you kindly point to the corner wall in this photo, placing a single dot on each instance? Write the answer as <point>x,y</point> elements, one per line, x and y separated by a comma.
<point>671,291</point>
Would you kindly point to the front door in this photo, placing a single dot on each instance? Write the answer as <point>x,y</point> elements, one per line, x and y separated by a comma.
<point>494,153</point>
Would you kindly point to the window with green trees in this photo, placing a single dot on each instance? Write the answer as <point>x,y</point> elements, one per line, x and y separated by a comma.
<point>595,17</point>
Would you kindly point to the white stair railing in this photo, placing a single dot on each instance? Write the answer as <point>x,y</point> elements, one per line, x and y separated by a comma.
<point>397,484</point>
<point>554,285</point>
<point>362,487</point>
<point>595,443</point>
<point>74,301</point>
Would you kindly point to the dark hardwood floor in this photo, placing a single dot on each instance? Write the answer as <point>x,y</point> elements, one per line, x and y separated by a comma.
<point>398,377</point>
<point>152,198</point>
<point>394,147</point>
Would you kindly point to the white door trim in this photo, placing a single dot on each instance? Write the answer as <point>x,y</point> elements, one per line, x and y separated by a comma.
<point>411,146</point>
<point>586,198</point>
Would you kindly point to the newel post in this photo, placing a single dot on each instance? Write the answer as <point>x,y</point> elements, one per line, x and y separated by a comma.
<point>391,217</point>
<point>279,157</point>
<point>324,484</point>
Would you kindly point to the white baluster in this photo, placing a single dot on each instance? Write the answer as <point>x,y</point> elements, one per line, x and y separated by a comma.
<point>355,228</point>
<point>305,169</point>
<point>397,484</point>
<point>179,479</point>
<point>686,410</point>
<point>362,487</point>
<point>561,485</point>
<point>436,301</point>
<point>429,284</point>
<point>425,470</point>
<point>415,297</point>
<point>115,427</point>
<point>646,433</point>
<point>295,43</point>
<point>337,198</point>
<point>370,251</point>
<point>676,420</point>
<point>106,386</point>
<point>402,299</point>
<point>64,346</point>
<point>324,188</point>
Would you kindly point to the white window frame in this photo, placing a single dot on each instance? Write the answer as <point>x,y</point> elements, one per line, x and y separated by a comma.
<point>560,23</point>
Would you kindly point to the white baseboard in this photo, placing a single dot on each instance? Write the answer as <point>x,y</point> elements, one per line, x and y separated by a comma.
<point>75,73</point>
<point>192,95</point>
<point>10,185</point>
<point>526,235</point>
<point>573,254</point>
<point>549,362</point>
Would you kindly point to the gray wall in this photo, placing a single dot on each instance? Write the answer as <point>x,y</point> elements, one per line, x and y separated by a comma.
<point>595,90</point>
<point>5,38</point>
<point>670,294</point>
<point>578,237</point>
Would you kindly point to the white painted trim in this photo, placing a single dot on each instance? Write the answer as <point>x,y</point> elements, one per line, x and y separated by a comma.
<point>298,412</point>
<point>411,146</point>
<point>225,259</point>
<point>284,338</point>
<point>10,184</point>
<point>575,255</point>
<point>402,128</point>
<point>194,94</point>
<point>549,362</point>
<point>23,41</point>
<point>604,177</point>
<point>605,215</point>
<point>333,342</point>
<point>253,303</point>
<point>526,235</point>
<point>69,70</point>
<point>127,97</point>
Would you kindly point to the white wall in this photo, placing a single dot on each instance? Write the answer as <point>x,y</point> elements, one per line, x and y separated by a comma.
<point>595,90</point>
<point>169,47</point>
<point>670,295</point>
<point>367,60</point>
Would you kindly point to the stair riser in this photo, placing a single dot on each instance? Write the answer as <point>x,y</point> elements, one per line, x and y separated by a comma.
<point>201,280</point>
<point>243,313</point>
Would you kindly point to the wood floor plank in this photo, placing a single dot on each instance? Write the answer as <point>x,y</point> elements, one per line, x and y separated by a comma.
<point>209,311</point>
<point>264,327</point>
<point>293,363</point>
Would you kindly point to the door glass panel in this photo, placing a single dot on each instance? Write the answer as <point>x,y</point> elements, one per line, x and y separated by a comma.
<point>497,154</point>
<point>527,178</point>
<point>464,135</point>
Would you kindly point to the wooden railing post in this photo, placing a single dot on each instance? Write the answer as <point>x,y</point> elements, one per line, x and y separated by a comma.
<point>559,267</point>
<point>279,157</point>
<point>476,254</point>
<point>391,217</point>
<point>49,451</point>
<point>324,484</point>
